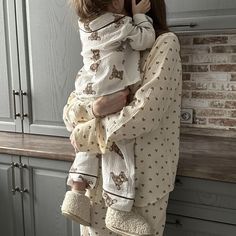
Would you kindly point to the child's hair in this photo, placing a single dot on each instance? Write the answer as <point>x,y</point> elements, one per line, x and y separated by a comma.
<point>88,10</point>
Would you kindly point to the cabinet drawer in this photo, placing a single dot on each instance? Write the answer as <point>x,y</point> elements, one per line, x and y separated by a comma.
<point>204,212</point>
<point>184,226</point>
<point>205,192</point>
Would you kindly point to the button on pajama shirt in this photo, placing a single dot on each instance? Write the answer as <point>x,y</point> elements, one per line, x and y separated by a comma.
<point>111,57</point>
<point>153,120</point>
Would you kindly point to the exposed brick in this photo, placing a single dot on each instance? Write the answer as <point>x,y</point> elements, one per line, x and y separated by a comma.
<point>210,112</point>
<point>195,68</point>
<point>199,121</point>
<point>231,96</point>
<point>201,86</point>
<point>224,49</point>
<point>208,95</point>
<point>184,58</point>
<point>223,67</point>
<point>217,104</point>
<point>233,77</point>
<point>185,94</point>
<point>230,104</point>
<point>210,76</point>
<point>186,77</point>
<point>189,85</point>
<point>232,87</point>
<point>232,39</point>
<point>211,40</point>
<point>232,114</point>
<point>195,103</point>
<point>210,58</point>
<point>222,122</point>
<point>195,50</point>
<point>185,40</point>
<point>233,59</point>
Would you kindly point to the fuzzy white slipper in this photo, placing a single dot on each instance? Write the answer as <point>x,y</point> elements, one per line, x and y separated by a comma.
<point>126,223</point>
<point>76,206</point>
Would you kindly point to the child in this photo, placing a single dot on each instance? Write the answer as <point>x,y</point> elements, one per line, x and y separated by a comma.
<point>111,42</point>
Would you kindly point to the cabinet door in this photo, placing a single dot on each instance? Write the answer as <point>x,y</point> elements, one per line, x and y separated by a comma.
<point>45,183</point>
<point>183,226</point>
<point>206,14</point>
<point>49,49</point>
<point>9,71</point>
<point>11,217</point>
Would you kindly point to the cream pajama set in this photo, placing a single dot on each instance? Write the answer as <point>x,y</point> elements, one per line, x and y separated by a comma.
<point>152,119</point>
<point>111,46</point>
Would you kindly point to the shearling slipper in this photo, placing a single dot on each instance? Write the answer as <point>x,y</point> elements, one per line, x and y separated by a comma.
<point>126,223</point>
<point>76,206</point>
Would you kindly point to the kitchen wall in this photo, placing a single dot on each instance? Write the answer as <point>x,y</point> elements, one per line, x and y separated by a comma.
<point>209,79</point>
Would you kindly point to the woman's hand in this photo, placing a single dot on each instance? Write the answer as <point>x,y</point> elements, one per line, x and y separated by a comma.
<point>142,7</point>
<point>110,104</point>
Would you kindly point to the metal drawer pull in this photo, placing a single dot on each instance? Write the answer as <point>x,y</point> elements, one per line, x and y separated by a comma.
<point>177,223</point>
<point>14,92</point>
<point>23,166</point>
<point>13,166</point>
<point>25,190</point>
<point>22,94</point>
<point>16,189</point>
<point>191,25</point>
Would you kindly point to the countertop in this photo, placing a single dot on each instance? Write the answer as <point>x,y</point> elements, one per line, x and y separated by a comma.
<point>206,157</point>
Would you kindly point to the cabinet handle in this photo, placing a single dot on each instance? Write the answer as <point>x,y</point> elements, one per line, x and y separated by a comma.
<point>13,165</point>
<point>22,94</point>
<point>14,92</point>
<point>176,222</point>
<point>24,166</point>
<point>24,190</point>
<point>191,25</point>
<point>16,189</point>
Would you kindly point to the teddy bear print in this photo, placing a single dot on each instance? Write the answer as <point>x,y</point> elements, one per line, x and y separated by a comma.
<point>108,200</point>
<point>94,36</point>
<point>119,179</point>
<point>116,74</point>
<point>94,66</point>
<point>118,21</point>
<point>114,148</point>
<point>89,89</point>
<point>121,48</point>
<point>96,54</point>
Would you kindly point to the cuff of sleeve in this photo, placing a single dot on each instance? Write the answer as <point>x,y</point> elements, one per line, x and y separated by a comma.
<point>139,18</point>
<point>90,110</point>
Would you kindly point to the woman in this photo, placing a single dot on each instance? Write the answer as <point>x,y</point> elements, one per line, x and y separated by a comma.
<point>152,118</point>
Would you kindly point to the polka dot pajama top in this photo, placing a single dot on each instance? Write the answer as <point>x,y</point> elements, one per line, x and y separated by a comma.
<point>152,119</point>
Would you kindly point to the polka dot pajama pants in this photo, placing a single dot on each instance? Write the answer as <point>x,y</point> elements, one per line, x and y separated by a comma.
<point>154,213</point>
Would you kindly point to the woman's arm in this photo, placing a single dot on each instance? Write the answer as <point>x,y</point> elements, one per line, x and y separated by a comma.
<point>80,111</point>
<point>162,77</point>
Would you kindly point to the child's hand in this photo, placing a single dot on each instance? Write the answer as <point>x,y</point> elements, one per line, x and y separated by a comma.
<point>142,7</point>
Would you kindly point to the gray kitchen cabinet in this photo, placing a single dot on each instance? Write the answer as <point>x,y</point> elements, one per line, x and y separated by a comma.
<point>9,70</point>
<point>11,208</point>
<point>201,207</point>
<point>42,55</point>
<point>32,191</point>
<point>190,15</point>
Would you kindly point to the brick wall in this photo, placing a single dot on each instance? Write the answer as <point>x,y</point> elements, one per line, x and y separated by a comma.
<point>209,79</point>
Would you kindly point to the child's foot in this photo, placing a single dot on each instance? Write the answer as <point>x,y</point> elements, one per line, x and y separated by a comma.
<point>126,223</point>
<point>76,206</point>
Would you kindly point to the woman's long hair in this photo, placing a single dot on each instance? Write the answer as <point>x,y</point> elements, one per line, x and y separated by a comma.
<point>157,13</point>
